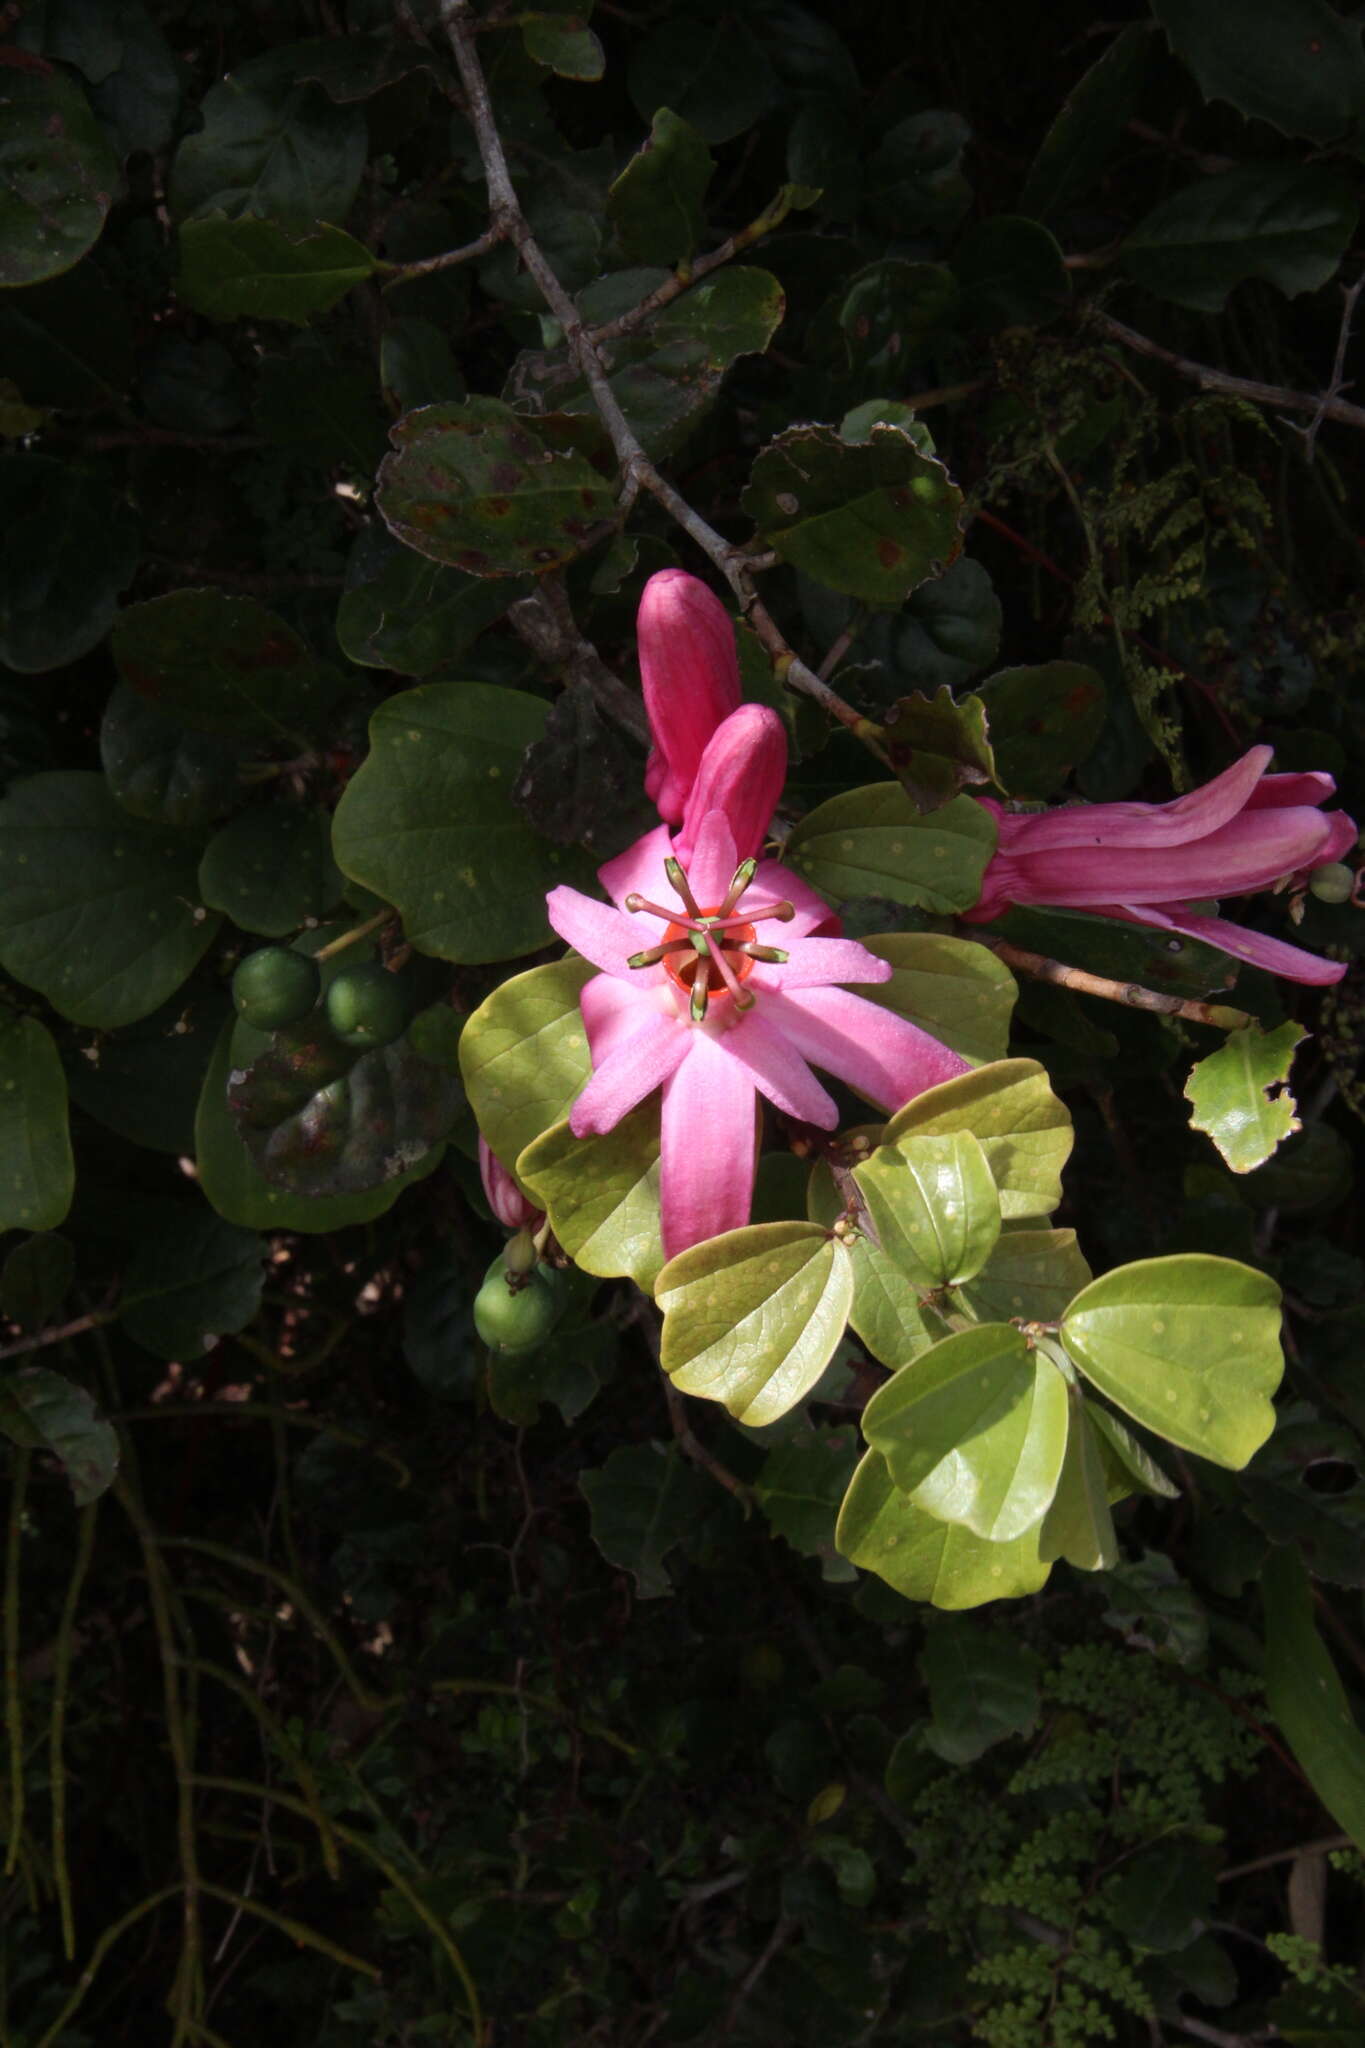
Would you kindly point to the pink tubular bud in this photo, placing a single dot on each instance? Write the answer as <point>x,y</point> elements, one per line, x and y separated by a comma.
<point>689,673</point>
<point>505,1199</point>
<point>740,774</point>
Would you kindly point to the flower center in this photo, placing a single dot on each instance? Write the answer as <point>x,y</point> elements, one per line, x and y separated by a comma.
<point>708,955</point>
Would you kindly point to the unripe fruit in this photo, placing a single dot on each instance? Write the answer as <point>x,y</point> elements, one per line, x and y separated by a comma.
<point>1333,883</point>
<point>520,1321</point>
<point>274,987</point>
<point>367,1006</point>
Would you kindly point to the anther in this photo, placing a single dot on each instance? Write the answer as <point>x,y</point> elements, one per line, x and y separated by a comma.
<point>755,913</point>
<point>634,902</point>
<point>743,875</point>
<point>774,954</point>
<point>674,870</point>
<point>655,954</point>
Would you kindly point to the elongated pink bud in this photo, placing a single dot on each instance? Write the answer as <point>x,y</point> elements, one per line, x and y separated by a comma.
<point>741,775</point>
<point>689,673</point>
<point>505,1198</point>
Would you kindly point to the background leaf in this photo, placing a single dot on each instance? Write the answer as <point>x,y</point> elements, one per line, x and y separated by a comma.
<point>38,1174</point>
<point>1239,1095</point>
<point>1306,1696</point>
<point>58,175</point>
<point>44,1412</point>
<point>874,842</point>
<point>1286,223</point>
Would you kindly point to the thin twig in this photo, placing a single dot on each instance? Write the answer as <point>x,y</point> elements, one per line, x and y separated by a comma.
<point>692,1447</point>
<point>1210,379</point>
<point>61,1678</point>
<point>1220,1016</point>
<point>1322,1847</point>
<point>407,273</point>
<point>58,1333</point>
<point>683,279</point>
<point>546,624</point>
<point>14,1705</point>
<point>1349,295</point>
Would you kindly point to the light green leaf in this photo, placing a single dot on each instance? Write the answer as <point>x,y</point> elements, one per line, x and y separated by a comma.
<point>883,1531</point>
<point>1306,1695</point>
<point>752,1318</point>
<point>933,1205</point>
<point>192,1279</point>
<point>644,1501</point>
<point>656,205</point>
<point>97,909</point>
<point>1078,1526</point>
<point>1285,222</point>
<point>873,842</point>
<point>1130,1468</point>
<point>37,1173</point>
<point>41,1411</point>
<point>223,665</point>
<point>427,822</point>
<point>602,1195</point>
<point>886,1313</point>
<point>983,1688</point>
<point>1240,1096</point>
<point>524,1055</point>
<point>58,175</point>
<point>1024,1130</point>
<point>975,1431</point>
<point>257,270</point>
<point>1031,1274</point>
<point>1294,63</point>
<point>1189,1346</point>
<point>872,518</point>
<point>959,992</point>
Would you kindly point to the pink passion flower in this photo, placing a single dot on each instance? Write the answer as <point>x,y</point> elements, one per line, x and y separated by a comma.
<point>695,997</point>
<point>689,675</point>
<point>1145,863</point>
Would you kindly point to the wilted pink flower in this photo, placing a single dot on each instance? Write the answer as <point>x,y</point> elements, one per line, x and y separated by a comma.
<point>689,673</point>
<point>505,1198</point>
<point>694,998</point>
<point>1146,862</point>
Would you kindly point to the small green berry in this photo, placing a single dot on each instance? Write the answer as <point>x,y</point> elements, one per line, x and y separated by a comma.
<point>1332,883</point>
<point>519,1321</point>
<point>274,987</point>
<point>367,1006</point>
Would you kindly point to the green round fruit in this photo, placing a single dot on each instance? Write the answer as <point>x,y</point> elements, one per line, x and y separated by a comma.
<point>274,987</point>
<point>367,1006</point>
<point>520,1321</point>
<point>1333,883</point>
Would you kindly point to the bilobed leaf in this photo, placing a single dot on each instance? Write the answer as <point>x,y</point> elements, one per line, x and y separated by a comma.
<point>192,1279</point>
<point>644,1501</point>
<point>959,992</point>
<point>481,488</point>
<point>271,869</point>
<point>933,1205</point>
<point>799,1490</point>
<point>1294,63</point>
<point>70,547</point>
<point>1240,1095</point>
<point>1305,1694</point>
<point>37,1173</point>
<point>1031,1274</point>
<point>235,1186</point>
<point>258,270</point>
<point>400,611</point>
<point>1189,1346</point>
<point>871,518</point>
<point>657,203</point>
<point>752,1318</point>
<point>873,842</point>
<point>58,175</point>
<point>223,665</point>
<point>1043,722</point>
<point>1078,1526</point>
<point>1024,1130</point>
<point>1128,1466</point>
<point>602,1195</point>
<point>883,1531</point>
<point>891,1318</point>
<point>975,1431</point>
<point>524,1055</point>
<point>983,1688</point>
<point>937,746</point>
<point>1284,222</point>
<point>41,1411</point>
<point>426,823</point>
<point>159,770</point>
<point>1089,126</point>
<point>97,910</point>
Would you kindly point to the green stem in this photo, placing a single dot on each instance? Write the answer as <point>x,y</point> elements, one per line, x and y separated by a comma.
<point>56,1758</point>
<point>97,1956</point>
<point>14,1708</point>
<point>354,936</point>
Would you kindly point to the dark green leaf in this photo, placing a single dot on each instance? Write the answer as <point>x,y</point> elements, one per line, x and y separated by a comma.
<point>1307,1487</point>
<point>43,1412</point>
<point>1294,63</point>
<point>132,77</point>
<point>223,665</point>
<point>310,400</point>
<point>938,747</point>
<point>799,1490</point>
<point>873,842</point>
<point>1011,273</point>
<point>983,1688</point>
<point>271,869</point>
<point>37,1174</point>
<point>68,342</point>
<point>194,386</point>
<point>1166,961</point>
<point>252,269</point>
<point>1043,721</point>
<point>97,909</point>
<point>1156,1610</point>
<point>405,613</point>
<point>1089,127</point>
<point>1287,223</point>
<point>569,48</point>
<point>915,179</point>
<point>714,73</point>
<point>657,203</point>
<point>1307,1697</point>
<point>580,782</point>
<point>417,365</point>
<point>143,1080</point>
<point>70,547</point>
<point>192,1279</point>
<point>279,150</point>
<point>58,175</point>
<point>892,309</point>
<point>958,991</point>
<point>1162,1897</point>
<point>644,1501</point>
<point>159,770</point>
<point>35,1279</point>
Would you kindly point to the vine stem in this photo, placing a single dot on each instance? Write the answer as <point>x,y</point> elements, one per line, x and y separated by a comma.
<point>638,472</point>
<point>1219,1016</point>
<point>59,1333</point>
<point>14,1705</point>
<point>353,936</point>
<point>1333,407</point>
<point>61,1677</point>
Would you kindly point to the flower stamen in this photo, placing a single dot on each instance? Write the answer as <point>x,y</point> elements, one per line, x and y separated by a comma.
<point>673,868</point>
<point>743,875</point>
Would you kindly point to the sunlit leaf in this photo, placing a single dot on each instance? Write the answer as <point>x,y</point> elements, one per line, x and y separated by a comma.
<point>1024,1130</point>
<point>524,1055</point>
<point>602,1194</point>
<point>882,1530</point>
<point>933,1205</point>
<point>1240,1095</point>
<point>873,842</point>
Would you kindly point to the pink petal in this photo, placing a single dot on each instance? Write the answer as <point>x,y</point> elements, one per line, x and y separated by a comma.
<point>605,936</point>
<point>640,870</point>
<point>774,883</point>
<point>632,1071</point>
<point>613,1011</point>
<point>1311,787</point>
<point>817,963</point>
<point>689,673</point>
<point>741,773</point>
<point>1134,825</point>
<point>1343,839</point>
<point>777,1070</point>
<point>1249,852</point>
<point>706,1180</point>
<point>714,860</point>
<point>505,1198</point>
<point>1291,963</point>
<point>886,1058</point>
